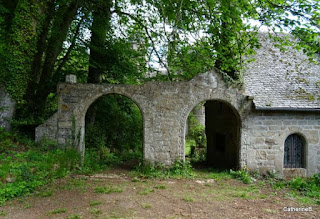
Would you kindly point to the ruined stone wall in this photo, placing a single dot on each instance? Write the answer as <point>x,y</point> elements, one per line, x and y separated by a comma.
<point>164,106</point>
<point>266,133</point>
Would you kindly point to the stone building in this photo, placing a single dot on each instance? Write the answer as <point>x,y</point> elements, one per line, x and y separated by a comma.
<point>272,123</point>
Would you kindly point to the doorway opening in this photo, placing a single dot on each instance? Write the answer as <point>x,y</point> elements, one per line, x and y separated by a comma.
<point>213,135</point>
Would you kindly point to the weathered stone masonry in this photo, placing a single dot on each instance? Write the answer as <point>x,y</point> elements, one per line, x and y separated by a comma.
<point>265,139</point>
<point>165,107</point>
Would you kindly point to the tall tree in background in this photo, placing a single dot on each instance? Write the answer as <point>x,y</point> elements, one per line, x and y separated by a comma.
<point>41,41</point>
<point>101,25</point>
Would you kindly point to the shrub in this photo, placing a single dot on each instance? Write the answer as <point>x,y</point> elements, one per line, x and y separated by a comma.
<point>243,175</point>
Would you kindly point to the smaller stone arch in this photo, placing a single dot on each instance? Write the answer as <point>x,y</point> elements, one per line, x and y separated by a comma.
<point>229,132</point>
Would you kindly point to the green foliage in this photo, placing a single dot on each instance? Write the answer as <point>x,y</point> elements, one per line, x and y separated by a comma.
<point>5,141</point>
<point>306,190</point>
<point>309,187</point>
<point>17,47</point>
<point>116,135</point>
<point>196,141</point>
<point>118,125</point>
<point>242,175</point>
<point>100,159</point>
<point>23,169</point>
<point>196,131</point>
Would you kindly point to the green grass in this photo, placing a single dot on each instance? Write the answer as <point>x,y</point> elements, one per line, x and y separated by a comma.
<point>146,205</point>
<point>179,169</point>
<point>74,216</point>
<point>160,187</point>
<point>95,211</point>
<point>188,199</point>
<point>57,211</point>
<point>2,213</point>
<point>94,203</point>
<point>146,191</point>
<point>215,174</point>
<point>108,189</point>
<point>46,193</point>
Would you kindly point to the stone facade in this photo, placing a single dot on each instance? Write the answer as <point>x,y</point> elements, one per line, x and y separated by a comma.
<point>7,106</point>
<point>266,133</point>
<point>165,107</point>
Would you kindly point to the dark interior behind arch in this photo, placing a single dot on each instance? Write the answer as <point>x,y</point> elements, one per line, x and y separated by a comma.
<point>223,135</point>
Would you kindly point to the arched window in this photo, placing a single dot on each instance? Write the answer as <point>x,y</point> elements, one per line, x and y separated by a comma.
<point>294,153</point>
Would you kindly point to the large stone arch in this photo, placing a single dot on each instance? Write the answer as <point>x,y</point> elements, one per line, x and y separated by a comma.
<point>164,106</point>
<point>88,102</point>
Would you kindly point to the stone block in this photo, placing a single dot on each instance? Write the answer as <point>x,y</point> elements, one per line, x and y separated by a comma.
<point>72,79</point>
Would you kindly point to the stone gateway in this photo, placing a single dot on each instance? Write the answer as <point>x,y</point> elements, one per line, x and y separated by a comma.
<point>273,123</point>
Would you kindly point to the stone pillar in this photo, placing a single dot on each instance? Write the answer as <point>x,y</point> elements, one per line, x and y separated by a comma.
<point>199,113</point>
<point>7,106</point>
<point>72,79</point>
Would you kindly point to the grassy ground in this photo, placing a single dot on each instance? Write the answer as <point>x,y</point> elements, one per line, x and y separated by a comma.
<point>37,181</point>
<point>119,193</point>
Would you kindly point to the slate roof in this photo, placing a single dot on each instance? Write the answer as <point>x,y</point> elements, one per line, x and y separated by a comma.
<point>283,80</point>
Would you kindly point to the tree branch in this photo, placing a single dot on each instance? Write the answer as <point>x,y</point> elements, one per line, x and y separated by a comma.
<point>139,21</point>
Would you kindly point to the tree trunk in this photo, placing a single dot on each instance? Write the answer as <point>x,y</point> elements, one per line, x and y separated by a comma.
<point>59,31</point>
<point>100,26</point>
<point>99,29</point>
<point>36,65</point>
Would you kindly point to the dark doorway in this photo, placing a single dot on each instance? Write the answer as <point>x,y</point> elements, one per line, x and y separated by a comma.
<point>223,135</point>
<point>294,152</point>
<point>213,135</point>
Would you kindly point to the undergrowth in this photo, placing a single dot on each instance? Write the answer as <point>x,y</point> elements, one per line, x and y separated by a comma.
<point>23,168</point>
<point>243,175</point>
<point>305,189</point>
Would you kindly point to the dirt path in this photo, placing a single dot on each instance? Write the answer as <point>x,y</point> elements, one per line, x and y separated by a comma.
<point>116,195</point>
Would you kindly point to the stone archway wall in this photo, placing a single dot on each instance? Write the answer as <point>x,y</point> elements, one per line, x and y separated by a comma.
<point>165,107</point>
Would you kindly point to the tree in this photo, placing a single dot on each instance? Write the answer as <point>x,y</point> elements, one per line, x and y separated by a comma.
<point>41,41</point>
